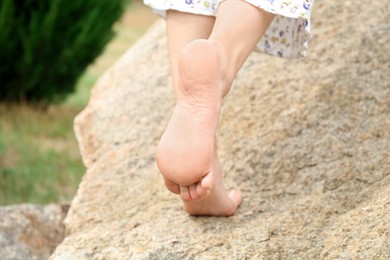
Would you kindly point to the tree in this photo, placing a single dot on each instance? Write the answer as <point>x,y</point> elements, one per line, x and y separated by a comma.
<point>45,45</point>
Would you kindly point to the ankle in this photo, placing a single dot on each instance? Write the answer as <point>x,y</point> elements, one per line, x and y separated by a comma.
<point>228,59</point>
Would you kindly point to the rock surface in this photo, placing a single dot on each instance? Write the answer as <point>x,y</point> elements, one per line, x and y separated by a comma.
<point>306,141</point>
<point>31,231</point>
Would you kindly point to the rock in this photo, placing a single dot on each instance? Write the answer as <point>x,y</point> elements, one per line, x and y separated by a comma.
<point>306,141</point>
<point>31,231</point>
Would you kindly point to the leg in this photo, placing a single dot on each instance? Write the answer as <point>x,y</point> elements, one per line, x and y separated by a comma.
<point>238,28</point>
<point>183,28</point>
<point>186,154</point>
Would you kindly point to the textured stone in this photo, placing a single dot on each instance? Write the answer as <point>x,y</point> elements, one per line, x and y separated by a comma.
<point>306,141</point>
<point>31,231</point>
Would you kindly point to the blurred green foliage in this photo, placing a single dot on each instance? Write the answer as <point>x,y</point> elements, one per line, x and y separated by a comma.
<point>45,45</point>
<point>39,156</point>
<point>39,159</point>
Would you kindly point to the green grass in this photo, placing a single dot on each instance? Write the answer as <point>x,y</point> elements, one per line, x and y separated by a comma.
<point>39,156</point>
<point>36,179</point>
<point>39,159</point>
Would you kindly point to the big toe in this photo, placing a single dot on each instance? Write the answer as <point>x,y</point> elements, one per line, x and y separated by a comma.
<point>207,181</point>
<point>201,192</point>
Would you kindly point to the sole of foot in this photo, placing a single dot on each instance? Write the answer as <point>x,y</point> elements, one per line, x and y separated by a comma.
<point>186,152</point>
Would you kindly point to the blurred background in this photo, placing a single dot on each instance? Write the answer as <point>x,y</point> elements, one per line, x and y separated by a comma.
<point>51,54</point>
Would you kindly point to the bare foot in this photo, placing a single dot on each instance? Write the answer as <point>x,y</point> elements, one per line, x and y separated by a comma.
<point>186,153</point>
<point>219,202</point>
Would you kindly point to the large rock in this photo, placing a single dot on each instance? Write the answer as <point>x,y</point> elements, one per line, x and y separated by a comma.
<point>306,141</point>
<point>30,231</point>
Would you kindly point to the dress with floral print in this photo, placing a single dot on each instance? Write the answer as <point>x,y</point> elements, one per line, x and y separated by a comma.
<point>287,36</point>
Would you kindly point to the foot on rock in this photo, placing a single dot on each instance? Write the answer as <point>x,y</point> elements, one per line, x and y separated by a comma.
<point>186,152</point>
<point>219,201</point>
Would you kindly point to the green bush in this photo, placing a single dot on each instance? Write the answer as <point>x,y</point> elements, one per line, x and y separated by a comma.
<point>45,45</point>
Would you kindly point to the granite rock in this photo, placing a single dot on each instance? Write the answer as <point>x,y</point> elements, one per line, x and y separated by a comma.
<point>30,231</point>
<point>306,141</point>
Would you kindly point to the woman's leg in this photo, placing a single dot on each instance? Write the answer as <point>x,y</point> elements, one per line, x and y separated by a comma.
<point>183,28</point>
<point>238,28</point>
<point>186,154</point>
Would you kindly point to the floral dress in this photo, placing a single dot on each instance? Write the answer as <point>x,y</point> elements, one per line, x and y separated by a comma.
<point>287,36</point>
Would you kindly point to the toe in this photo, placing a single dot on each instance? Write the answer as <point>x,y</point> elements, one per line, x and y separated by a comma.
<point>171,186</point>
<point>201,191</point>
<point>193,192</point>
<point>207,181</point>
<point>185,193</point>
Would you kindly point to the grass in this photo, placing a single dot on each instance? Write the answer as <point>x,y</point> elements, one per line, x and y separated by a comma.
<point>39,157</point>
